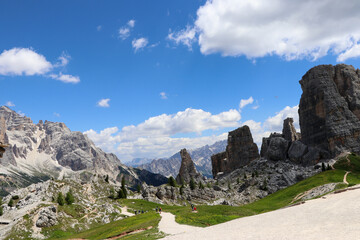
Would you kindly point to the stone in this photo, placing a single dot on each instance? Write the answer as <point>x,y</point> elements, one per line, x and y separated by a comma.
<point>277,149</point>
<point>311,157</point>
<point>329,110</point>
<point>47,217</point>
<point>240,151</point>
<point>187,168</point>
<point>296,151</point>
<point>289,131</point>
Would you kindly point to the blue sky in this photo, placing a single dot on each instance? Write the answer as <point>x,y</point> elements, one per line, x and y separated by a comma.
<point>147,78</point>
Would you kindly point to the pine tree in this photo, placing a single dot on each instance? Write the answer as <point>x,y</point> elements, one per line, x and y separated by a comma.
<point>107,178</point>
<point>229,185</point>
<point>328,167</point>
<point>123,188</point>
<point>256,173</point>
<point>69,198</point>
<point>138,188</point>
<point>192,184</point>
<point>60,199</point>
<point>121,194</point>
<point>1,208</point>
<point>182,189</point>
<point>253,175</point>
<point>201,185</point>
<point>172,181</point>
<point>244,175</point>
<point>11,203</point>
<point>238,180</point>
<point>323,167</point>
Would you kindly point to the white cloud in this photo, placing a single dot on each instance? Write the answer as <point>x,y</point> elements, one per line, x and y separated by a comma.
<point>56,114</point>
<point>163,95</point>
<point>139,43</point>
<point>63,60</point>
<point>10,104</point>
<point>186,36</point>
<point>158,136</point>
<point>65,78</point>
<point>289,29</point>
<point>23,61</point>
<point>103,102</point>
<point>275,123</point>
<point>21,113</point>
<point>131,23</point>
<point>244,102</point>
<point>154,137</point>
<point>98,28</point>
<point>353,52</point>
<point>124,31</point>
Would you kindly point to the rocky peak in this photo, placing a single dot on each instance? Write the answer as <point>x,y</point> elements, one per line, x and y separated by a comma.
<point>187,168</point>
<point>240,150</point>
<point>329,109</point>
<point>289,131</point>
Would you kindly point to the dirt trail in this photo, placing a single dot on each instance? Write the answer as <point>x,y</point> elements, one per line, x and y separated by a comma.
<point>124,211</point>
<point>168,225</point>
<point>345,181</point>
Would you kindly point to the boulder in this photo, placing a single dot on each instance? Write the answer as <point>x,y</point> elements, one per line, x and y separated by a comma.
<point>296,151</point>
<point>277,149</point>
<point>47,217</point>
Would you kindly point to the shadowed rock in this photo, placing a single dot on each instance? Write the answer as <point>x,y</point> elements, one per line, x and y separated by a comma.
<point>187,168</point>
<point>240,150</point>
<point>329,109</point>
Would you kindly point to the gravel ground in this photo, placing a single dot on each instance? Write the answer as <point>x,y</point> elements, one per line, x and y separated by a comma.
<point>336,216</point>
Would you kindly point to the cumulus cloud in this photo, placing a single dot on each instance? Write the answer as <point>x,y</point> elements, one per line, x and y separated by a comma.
<point>66,78</point>
<point>98,28</point>
<point>139,43</point>
<point>10,104</point>
<point>186,36</point>
<point>27,62</point>
<point>289,29</point>
<point>103,103</point>
<point>23,61</point>
<point>275,123</point>
<point>124,31</point>
<point>56,114</point>
<point>163,95</point>
<point>155,136</point>
<point>244,102</point>
<point>158,136</point>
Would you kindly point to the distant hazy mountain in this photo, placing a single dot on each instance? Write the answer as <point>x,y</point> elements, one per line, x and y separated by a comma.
<point>201,157</point>
<point>138,161</point>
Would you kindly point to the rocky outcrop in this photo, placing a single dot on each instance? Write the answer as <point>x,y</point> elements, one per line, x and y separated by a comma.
<point>277,149</point>
<point>329,110</point>
<point>240,150</point>
<point>187,169</point>
<point>47,217</point>
<point>289,131</point>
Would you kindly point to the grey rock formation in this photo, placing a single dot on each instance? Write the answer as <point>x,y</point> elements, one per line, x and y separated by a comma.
<point>289,131</point>
<point>277,149</point>
<point>240,151</point>
<point>329,109</point>
<point>296,151</point>
<point>47,217</point>
<point>187,169</point>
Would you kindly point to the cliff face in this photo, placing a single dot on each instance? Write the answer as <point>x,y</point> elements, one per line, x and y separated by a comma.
<point>329,108</point>
<point>240,151</point>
